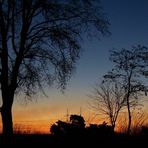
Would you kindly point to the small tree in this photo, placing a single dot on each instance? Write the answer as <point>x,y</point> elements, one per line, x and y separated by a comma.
<point>75,126</point>
<point>77,120</point>
<point>40,43</point>
<point>108,99</point>
<point>130,67</point>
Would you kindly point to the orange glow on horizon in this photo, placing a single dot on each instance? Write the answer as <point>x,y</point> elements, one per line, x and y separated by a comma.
<point>43,126</point>
<point>38,117</point>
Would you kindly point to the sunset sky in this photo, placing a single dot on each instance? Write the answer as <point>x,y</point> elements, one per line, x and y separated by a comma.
<point>129,26</point>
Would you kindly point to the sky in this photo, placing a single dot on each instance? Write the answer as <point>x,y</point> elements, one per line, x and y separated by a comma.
<point>129,27</point>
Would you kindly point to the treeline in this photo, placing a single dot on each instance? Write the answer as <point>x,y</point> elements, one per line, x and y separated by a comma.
<point>75,131</point>
<point>76,125</point>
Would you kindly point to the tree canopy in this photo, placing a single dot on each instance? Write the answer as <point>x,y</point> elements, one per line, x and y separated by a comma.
<point>40,44</point>
<point>42,40</point>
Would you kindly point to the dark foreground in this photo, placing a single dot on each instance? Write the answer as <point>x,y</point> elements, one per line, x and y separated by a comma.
<point>51,141</point>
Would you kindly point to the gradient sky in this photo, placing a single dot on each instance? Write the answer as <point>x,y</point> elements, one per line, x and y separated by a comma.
<point>129,26</point>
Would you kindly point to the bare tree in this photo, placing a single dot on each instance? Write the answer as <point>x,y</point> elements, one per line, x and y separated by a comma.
<point>108,100</point>
<point>40,43</point>
<point>130,67</point>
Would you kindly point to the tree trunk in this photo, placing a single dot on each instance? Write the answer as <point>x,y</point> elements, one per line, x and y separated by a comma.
<point>129,117</point>
<point>6,113</point>
<point>113,124</point>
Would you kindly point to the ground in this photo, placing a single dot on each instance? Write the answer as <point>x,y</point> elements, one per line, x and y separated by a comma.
<point>118,140</point>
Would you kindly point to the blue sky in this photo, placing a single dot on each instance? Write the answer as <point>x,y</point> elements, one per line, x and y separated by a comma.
<point>129,27</point>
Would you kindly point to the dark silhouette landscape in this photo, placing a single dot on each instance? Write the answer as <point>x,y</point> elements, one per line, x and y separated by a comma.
<point>75,134</point>
<point>41,42</point>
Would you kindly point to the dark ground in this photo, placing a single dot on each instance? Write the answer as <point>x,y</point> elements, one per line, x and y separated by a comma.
<point>117,140</point>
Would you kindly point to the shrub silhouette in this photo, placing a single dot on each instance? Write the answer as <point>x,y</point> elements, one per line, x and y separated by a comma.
<point>59,128</point>
<point>77,120</point>
<point>75,126</point>
<point>106,129</point>
<point>144,130</point>
<point>101,129</point>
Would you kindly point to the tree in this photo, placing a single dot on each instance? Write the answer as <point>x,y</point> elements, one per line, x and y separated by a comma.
<point>108,99</point>
<point>77,120</point>
<point>40,42</point>
<point>75,126</point>
<point>130,67</point>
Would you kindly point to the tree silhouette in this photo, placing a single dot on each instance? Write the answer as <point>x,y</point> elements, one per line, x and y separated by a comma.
<point>130,67</point>
<point>77,120</point>
<point>108,99</point>
<point>59,128</point>
<point>40,43</point>
<point>74,127</point>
